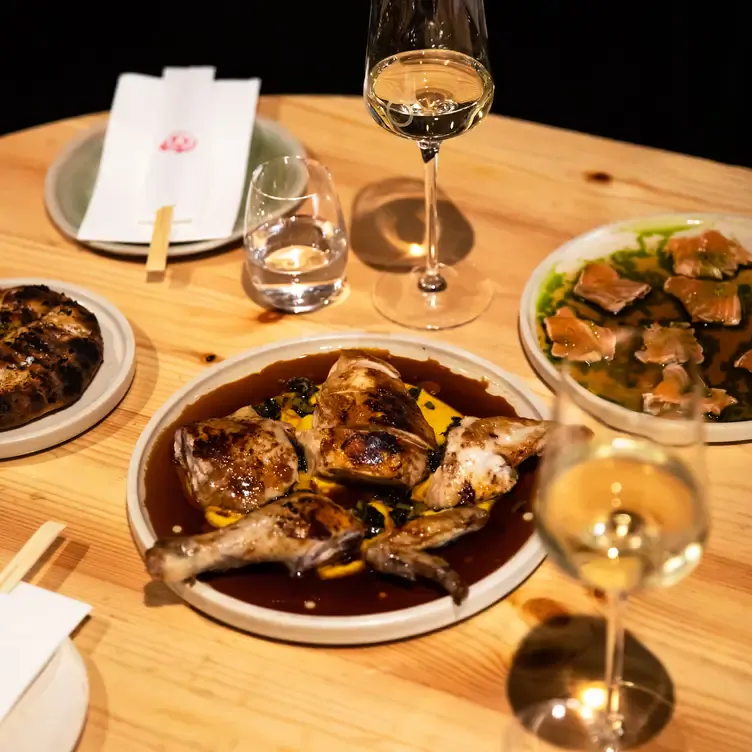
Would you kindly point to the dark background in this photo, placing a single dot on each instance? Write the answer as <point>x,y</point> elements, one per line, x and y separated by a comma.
<point>666,74</point>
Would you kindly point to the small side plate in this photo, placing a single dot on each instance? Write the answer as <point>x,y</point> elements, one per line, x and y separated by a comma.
<point>601,242</point>
<point>108,387</point>
<point>69,185</point>
<point>50,715</point>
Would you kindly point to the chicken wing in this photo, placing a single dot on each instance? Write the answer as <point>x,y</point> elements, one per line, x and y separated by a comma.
<point>237,463</point>
<point>402,552</point>
<point>366,426</point>
<point>481,457</point>
<point>302,531</point>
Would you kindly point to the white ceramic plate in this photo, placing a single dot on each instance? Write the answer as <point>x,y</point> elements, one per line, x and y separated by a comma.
<point>108,387</point>
<point>50,715</point>
<point>602,242</point>
<point>339,630</point>
<point>70,179</point>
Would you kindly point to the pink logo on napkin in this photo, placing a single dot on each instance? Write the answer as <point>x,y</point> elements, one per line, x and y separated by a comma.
<point>179,141</point>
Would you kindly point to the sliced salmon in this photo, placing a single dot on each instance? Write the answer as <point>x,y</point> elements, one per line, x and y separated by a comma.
<point>711,254</point>
<point>707,301</point>
<point>672,392</point>
<point>601,284</point>
<point>675,343</point>
<point>578,339</point>
<point>745,361</point>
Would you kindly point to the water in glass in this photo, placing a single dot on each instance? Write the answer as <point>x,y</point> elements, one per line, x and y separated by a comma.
<point>295,235</point>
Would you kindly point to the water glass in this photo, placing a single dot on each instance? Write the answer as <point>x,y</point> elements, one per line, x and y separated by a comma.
<point>295,237</point>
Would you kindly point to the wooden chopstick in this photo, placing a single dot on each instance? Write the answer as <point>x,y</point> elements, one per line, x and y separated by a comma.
<point>29,554</point>
<point>156,261</point>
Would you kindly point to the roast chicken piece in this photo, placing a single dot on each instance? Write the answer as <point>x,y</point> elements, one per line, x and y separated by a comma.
<point>481,458</point>
<point>50,349</point>
<point>402,552</point>
<point>366,427</point>
<point>301,531</point>
<point>238,463</point>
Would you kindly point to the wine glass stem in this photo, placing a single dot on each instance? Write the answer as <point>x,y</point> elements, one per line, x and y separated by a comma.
<point>431,280</point>
<point>615,659</point>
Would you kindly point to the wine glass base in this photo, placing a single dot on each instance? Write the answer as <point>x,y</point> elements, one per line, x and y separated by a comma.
<point>580,723</point>
<point>467,294</point>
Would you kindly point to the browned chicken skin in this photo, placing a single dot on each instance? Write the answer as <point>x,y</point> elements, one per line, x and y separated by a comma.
<point>402,552</point>
<point>366,426</point>
<point>50,349</point>
<point>238,463</point>
<point>301,531</point>
<point>481,459</point>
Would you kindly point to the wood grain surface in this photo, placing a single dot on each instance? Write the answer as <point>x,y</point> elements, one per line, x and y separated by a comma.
<point>162,676</point>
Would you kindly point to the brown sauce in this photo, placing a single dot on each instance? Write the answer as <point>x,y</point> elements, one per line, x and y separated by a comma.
<point>473,556</point>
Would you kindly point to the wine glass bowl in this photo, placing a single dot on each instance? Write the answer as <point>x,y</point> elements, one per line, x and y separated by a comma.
<point>428,80</point>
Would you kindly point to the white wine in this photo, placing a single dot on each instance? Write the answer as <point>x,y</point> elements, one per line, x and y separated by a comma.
<point>623,515</point>
<point>428,95</point>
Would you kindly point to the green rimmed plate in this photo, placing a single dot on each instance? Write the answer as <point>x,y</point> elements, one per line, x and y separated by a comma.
<point>70,182</point>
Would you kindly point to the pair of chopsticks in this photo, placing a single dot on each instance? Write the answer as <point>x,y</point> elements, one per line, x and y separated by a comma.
<point>156,261</point>
<point>30,553</point>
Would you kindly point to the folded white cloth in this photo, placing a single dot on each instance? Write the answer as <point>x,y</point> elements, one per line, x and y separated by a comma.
<point>33,624</point>
<point>180,140</point>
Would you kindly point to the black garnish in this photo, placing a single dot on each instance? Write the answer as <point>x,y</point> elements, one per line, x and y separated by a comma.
<point>429,405</point>
<point>301,406</point>
<point>400,514</point>
<point>302,387</point>
<point>436,457</point>
<point>452,424</point>
<point>302,464</point>
<point>269,408</point>
<point>373,521</point>
<point>414,392</point>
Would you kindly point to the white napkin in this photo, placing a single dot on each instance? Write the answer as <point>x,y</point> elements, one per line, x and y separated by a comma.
<point>33,624</point>
<point>181,140</point>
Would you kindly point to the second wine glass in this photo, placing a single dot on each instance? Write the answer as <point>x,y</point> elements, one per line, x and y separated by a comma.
<point>428,79</point>
<point>620,507</point>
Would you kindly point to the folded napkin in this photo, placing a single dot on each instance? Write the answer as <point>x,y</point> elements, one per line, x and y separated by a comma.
<point>181,140</point>
<point>33,624</point>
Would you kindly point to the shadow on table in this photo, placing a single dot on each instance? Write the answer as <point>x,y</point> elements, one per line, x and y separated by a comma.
<point>388,226</point>
<point>157,594</point>
<point>565,655</point>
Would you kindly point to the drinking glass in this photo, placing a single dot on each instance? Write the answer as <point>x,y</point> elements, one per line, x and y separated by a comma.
<point>427,79</point>
<point>294,234</point>
<point>620,506</point>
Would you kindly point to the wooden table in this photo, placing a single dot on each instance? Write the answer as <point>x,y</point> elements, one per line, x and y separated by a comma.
<point>164,677</point>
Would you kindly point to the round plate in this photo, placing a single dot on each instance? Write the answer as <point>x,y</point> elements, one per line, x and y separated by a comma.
<point>70,182</point>
<point>51,713</point>
<point>107,388</point>
<point>336,630</point>
<point>602,242</point>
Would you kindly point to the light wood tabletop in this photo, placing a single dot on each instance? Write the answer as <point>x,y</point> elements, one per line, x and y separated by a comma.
<point>164,677</point>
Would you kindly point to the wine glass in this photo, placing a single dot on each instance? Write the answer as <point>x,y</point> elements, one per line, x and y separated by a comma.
<point>427,79</point>
<point>620,506</point>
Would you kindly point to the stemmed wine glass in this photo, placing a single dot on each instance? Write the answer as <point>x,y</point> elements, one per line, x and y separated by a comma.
<point>620,506</point>
<point>427,79</point>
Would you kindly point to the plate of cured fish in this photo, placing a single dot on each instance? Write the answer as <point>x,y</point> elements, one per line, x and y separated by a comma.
<point>631,306</point>
<point>342,489</point>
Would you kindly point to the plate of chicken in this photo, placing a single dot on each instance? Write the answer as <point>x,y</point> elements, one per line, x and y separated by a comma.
<point>67,358</point>
<point>343,489</point>
<point>631,307</point>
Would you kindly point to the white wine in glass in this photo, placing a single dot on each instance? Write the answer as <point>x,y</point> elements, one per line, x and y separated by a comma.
<point>427,79</point>
<point>618,509</point>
